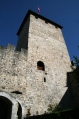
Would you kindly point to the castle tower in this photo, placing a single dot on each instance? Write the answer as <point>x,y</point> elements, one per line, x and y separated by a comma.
<point>47,61</point>
<point>35,74</point>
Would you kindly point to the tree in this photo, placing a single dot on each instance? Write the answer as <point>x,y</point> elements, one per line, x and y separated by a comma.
<point>76,61</point>
<point>53,108</point>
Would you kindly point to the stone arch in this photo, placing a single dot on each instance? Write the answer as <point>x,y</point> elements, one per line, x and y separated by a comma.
<point>14,105</point>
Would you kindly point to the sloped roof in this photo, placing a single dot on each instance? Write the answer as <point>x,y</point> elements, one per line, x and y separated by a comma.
<point>39,16</point>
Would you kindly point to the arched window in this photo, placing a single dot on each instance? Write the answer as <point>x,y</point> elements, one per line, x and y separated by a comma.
<point>40,66</point>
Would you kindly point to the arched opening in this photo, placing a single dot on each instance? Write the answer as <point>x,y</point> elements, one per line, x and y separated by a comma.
<point>40,66</point>
<point>5,108</point>
<point>10,107</point>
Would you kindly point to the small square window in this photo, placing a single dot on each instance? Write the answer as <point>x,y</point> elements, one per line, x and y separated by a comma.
<point>44,79</point>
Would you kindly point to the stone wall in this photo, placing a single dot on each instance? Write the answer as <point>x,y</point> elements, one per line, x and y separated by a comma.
<point>19,72</point>
<point>13,71</point>
<point>46,44</point>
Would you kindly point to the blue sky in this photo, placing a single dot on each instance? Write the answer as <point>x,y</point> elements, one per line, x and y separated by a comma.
<point>63,12</point>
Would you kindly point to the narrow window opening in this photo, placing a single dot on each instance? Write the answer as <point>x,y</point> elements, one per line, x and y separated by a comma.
<point>17,92</point>
<point>44,79</point>
<point>40,66</point>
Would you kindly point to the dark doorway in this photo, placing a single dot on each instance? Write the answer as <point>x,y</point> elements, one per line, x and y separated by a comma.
<point>5,108</point>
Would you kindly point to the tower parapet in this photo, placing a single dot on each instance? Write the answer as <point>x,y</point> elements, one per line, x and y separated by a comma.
<point>13,69</point>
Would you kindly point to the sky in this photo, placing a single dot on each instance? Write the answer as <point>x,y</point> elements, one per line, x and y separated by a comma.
<point>63,12</point>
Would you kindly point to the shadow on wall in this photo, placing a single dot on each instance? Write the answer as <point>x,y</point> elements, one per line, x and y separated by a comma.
<point>23,37</point>
<point>68,100</point>
<point>72,114</point>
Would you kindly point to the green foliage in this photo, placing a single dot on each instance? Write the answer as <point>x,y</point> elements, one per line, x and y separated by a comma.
<point>50,108</point>
<point>53,108</point>
<point>76,60</point>
<point>57,113</point>
<point>56,109</point>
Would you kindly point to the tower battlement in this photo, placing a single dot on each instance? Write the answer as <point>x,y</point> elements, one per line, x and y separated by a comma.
<point>12,69</point>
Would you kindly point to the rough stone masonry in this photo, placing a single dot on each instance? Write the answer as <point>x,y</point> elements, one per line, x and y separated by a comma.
<point>39,40</point>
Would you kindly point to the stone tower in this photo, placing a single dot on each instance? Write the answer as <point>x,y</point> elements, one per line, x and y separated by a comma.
<point>35,75</point>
